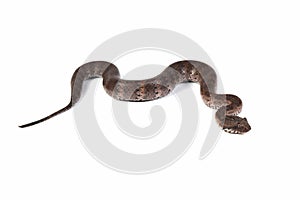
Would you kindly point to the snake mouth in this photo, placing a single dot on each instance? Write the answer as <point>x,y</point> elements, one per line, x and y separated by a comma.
<point>229,130</point>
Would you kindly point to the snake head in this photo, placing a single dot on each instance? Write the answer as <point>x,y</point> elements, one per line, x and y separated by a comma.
<point>236,125</point>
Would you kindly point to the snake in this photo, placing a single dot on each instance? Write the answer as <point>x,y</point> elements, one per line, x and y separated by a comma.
<point>227,106</point>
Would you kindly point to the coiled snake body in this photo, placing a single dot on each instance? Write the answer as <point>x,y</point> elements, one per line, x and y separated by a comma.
<point>227,105</point>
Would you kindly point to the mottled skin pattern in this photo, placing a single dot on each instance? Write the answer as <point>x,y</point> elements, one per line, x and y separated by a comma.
<point>228,105</point>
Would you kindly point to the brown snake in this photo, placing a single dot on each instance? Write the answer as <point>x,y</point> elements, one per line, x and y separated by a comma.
<point>227,105</point>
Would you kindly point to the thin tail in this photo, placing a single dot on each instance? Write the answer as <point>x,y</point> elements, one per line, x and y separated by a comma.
<point>48,117</point>
<point>86,71</point>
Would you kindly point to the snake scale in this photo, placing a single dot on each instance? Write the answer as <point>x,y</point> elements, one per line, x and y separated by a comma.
<point>228,106</point>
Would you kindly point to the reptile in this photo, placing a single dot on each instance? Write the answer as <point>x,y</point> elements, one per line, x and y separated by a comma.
<point>228,106</point>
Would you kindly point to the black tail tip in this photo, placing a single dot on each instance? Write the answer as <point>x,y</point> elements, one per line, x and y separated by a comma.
<point>26,125</point>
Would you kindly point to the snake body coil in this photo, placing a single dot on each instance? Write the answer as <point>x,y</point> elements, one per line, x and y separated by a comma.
<point>227,105</point>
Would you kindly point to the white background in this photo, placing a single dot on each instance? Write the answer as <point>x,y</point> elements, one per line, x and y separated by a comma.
<point>255,47</point>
